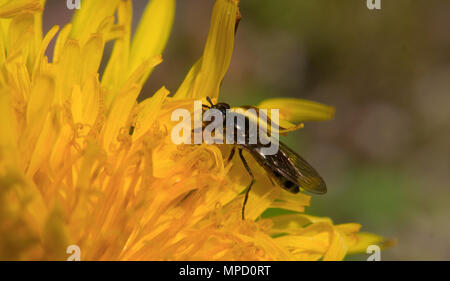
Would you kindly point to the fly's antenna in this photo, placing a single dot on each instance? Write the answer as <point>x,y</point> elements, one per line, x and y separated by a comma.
<point>209,100</point>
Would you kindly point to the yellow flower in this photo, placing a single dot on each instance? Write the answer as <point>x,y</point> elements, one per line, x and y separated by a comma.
<point>72,174</point>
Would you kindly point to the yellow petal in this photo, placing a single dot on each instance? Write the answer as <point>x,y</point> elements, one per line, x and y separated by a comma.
<point>38,26</point>
<point>59,150</point>
<point>164,164</point>
<point>113,76</point>
<point>11,8</point>
<point>35,45</point>
<point>337,248</point>
<point>3,44</point>
<point>36,115</point>
<point>310,244</point>
<point>152,33</point>
<point>8,138</point>
<point>39,101</point>
<point>297,110</point>
<point>349,228</point>
<point>186,88</point>
<point>86,103</point>
<point>61,41</point>
<point>148,111</point>
<point>118,116</point>
<point>209,71</point>
<point>365,239</point>
<point>19,80</point>
<point>133,81</point>
<point>283,126</point>
<point>139,74</point>
<point>218,49</point>
<point>20,34</point>
<point>69,70</point>
<point>291,224</point>
<point>136,79</point>
<point>45,142</point>
<point>92,53</point>
<point>88,19</point>
<point>48,37</point>
<point>286,126</point>
<point>332,245</point>
<point>292,202</point>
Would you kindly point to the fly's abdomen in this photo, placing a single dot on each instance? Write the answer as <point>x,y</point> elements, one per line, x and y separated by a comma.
<point>285,183</point>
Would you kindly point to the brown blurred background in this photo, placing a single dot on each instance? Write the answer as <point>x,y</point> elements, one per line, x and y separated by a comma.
<point>386,155</point>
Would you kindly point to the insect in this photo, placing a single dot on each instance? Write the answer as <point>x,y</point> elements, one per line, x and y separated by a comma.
<point>284,168</point>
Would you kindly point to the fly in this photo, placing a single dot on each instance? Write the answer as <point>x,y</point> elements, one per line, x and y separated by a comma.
<point>285,168</point>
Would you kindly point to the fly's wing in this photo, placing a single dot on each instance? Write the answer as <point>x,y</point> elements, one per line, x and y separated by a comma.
<point>290,165</point>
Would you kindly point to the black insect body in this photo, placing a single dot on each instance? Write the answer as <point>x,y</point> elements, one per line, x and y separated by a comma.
<point>285,168</point>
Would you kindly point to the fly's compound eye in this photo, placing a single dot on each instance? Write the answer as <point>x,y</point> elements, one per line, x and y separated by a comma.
<point>222,107</point>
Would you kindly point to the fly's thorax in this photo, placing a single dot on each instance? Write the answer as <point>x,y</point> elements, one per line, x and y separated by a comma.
<point>219,124</point>
<point>250,126</point>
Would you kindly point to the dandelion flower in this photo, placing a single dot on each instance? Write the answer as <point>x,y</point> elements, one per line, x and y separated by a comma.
<point>72,174</point>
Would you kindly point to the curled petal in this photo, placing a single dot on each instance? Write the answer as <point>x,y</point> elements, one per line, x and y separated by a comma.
<point>298,110</point>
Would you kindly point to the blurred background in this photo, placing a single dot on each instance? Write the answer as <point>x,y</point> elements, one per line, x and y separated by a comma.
<point>386,154</point>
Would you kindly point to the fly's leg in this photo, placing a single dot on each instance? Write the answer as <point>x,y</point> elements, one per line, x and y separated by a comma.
<point>250,185</point>
<point>231,155</point>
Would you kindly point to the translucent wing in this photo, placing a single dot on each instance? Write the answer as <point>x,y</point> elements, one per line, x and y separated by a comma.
<point>300,171</point>
<point>290,166</point>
